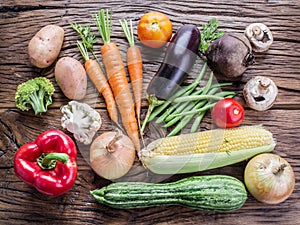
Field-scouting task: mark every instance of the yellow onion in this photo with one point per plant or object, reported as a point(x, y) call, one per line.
point(112, 155)
point(269, 178)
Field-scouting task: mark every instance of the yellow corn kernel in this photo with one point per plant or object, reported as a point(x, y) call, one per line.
point(206, 150)
point(218, 140)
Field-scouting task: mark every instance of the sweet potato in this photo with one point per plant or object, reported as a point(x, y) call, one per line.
point(45, 46)
point(71, 77)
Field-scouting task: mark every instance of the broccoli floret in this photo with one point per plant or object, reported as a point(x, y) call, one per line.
point(81, 120)
point(35, 94)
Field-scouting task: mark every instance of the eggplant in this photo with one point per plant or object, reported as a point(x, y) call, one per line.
point(180, 57)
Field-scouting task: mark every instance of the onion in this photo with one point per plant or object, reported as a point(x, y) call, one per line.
point(112, 155)
point(269, 178)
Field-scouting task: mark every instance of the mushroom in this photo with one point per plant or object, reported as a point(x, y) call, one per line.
point(260, 36)
point(260, 93)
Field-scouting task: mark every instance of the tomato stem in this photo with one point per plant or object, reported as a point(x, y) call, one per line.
point(154, 25)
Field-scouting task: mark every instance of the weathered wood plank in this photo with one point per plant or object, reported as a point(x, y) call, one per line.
point(20, 19)
point(78, 207)
point(279, 63)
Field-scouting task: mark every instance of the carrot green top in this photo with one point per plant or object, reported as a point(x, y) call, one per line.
point(128, 32)
point(87, 40)
point(83, 50)
point(103, 21)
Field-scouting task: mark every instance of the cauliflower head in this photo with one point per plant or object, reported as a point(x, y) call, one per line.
point(81, 120)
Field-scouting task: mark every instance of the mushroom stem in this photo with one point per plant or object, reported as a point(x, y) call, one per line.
point(258, 33)
point(264, 85)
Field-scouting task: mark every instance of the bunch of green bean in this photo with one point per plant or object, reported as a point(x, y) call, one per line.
point(190, 102)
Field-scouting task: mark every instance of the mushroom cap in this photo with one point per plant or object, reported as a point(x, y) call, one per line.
point(260, 36)
point(260, 93)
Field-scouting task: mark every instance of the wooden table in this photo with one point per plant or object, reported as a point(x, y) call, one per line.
point(20, 20)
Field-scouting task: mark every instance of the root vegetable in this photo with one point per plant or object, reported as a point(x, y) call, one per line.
point(71, 77)
point(117, 77)
point(230, 55)
point(112, 155)
point(45, 46)
point(269, 178)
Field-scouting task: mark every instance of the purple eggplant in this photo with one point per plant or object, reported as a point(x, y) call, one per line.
point(180, 57)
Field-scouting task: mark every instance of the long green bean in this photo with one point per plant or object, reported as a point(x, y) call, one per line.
point(181, 125)
point(197, 98)
point(207, 107)
point(172, 118)
point(175, 107)
point(182, 92)
point(208, 83)
point(186, 118)
point(179, 107)
point(199, 107)
point(199, 118)
point(197, 122)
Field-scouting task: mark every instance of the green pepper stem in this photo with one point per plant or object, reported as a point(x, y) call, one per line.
point(48, 161)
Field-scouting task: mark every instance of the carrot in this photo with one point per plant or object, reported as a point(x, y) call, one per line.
point(88, 39)
point(98, 78)
point(116, 75)
point(135, 67)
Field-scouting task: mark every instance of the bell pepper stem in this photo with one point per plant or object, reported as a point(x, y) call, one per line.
point(48, 161)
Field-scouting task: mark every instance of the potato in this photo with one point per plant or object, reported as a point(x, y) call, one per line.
point(71, 77)
point(45, 46)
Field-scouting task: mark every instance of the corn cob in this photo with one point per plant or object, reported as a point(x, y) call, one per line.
point(205, 150)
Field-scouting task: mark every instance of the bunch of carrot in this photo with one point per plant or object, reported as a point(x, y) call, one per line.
point(94, 70)
point(114, 87)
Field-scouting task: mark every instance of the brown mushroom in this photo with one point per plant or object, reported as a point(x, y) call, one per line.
point(260, 36)
point(260, 93)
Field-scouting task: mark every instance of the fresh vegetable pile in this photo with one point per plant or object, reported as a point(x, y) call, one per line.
point(49, 162)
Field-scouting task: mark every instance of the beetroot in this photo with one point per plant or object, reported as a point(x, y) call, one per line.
point(230, 55)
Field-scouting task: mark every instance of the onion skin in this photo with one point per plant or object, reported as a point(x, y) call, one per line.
point(112, 158)
point(269, 178)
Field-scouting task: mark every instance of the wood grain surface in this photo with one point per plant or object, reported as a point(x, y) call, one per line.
point(21, 19)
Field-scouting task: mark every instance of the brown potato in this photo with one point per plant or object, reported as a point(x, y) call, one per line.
point(71, 77)
point(45, 46)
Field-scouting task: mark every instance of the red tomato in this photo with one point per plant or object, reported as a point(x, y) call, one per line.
point(228, 113)
point(154, 29)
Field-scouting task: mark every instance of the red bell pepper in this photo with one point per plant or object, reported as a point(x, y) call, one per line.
point(48, 163)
